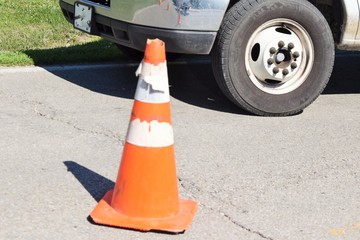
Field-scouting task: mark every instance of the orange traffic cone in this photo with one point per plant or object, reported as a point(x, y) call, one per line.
point(145, 196)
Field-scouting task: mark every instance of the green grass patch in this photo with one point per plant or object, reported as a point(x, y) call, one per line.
point(34, 32)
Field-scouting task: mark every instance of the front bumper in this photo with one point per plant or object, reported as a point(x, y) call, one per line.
point(135, 36)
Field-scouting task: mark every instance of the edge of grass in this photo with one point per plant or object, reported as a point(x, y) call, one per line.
point(35, 32)
point(91, 52)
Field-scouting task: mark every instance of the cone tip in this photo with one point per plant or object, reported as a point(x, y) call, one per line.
point(154, 51)
point(155, 41)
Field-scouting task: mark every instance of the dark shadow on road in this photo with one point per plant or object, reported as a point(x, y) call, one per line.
point(114, 80)
point(345, 78)
point(91, 52)
point(94, 183)
point(195, 84)
point(191, 81)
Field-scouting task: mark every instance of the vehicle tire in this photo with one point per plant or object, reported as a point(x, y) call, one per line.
point(273, 57)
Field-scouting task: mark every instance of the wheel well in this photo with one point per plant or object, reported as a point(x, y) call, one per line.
point(334, 18)
point(326, 7)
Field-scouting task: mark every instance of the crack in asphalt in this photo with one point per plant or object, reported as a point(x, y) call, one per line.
point(191, 187)
point(246, 228)
point(51, 114)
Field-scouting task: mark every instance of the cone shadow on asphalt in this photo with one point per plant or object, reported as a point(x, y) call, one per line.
point(94, 183)
point(97, 186)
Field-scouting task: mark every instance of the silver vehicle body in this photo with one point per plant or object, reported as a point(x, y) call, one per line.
point(167, 14)
point(129, 23)
point(350, 34)
point(188, 29)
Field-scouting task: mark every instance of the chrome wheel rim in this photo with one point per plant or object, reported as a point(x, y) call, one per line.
point(279, 56)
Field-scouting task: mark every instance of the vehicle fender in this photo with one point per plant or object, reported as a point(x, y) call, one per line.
point(350, 35)
point(198, 15)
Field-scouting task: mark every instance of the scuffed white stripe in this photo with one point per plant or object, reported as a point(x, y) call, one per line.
point(153, 85)
point(155, 75)
point(153, 134)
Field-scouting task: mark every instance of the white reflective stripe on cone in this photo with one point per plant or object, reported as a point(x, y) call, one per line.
point(153, 85)
point(153, 134)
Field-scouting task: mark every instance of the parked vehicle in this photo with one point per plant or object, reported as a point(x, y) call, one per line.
point(269, 57)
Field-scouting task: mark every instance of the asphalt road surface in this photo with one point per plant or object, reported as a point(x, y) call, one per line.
point(62, 133)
